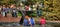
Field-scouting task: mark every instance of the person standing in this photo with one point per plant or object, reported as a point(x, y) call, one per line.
point(21, 21)
point(42, 22)
point(14, 11)
point(27, 22)
point(32, 21)
point(4, 11)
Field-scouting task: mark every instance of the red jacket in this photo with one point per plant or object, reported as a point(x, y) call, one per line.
point(42, 21)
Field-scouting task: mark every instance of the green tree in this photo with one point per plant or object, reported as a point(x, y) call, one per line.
point(8, 1)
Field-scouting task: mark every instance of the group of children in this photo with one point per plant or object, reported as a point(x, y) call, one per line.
point(4, 10)
point(13, 9)
point(29, 21)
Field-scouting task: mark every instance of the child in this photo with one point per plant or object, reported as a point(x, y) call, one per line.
point(27, 22)
point(4, 11)
point(42, 22)
point(14, 14)
point(14, 10)
point(32, 21)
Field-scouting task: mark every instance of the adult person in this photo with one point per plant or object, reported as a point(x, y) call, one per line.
point(21, 21)
point(23, 15)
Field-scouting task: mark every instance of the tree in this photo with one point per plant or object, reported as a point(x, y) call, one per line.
point(52, 12)
point(8, 1)
point(34, 1)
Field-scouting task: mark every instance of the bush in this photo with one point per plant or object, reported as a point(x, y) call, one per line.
point(33, 15)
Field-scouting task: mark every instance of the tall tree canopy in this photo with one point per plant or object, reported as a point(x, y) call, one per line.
point(8, 1)
point(52, 9)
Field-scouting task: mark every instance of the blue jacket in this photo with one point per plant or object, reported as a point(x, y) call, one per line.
point(32, 21)
point(26, 22)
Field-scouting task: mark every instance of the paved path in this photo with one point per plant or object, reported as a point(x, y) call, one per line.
point(9, 19)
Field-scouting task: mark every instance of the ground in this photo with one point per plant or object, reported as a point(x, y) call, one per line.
point(9, 18)
point(9, 21)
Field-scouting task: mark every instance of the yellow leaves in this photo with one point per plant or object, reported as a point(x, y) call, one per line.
point(44, 0)
point(47, 2)
point(55, 13)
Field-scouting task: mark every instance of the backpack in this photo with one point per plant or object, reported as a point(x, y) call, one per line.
point(32, 21)
point(26, 22)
